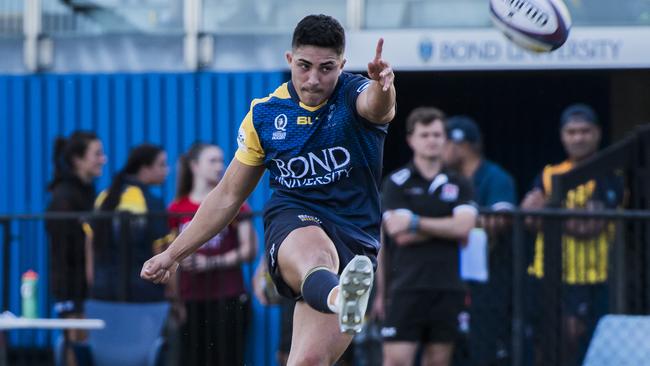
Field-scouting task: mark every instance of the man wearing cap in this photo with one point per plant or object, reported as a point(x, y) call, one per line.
point(585, 243)
point(428, 213)
point(494, 188)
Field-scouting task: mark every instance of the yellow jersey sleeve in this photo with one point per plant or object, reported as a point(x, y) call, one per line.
point(249, 149)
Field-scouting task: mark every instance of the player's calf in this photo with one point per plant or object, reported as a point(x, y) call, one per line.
point(346, 296)
point(317, 287)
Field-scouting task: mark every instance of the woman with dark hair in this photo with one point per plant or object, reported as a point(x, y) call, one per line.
point(123, 242)
point(211, 282)
point(78, 160)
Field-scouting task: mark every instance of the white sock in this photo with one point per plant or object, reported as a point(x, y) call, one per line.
point(334, 306)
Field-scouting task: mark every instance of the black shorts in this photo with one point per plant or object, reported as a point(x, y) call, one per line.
point(427, 316)
point(279, 225)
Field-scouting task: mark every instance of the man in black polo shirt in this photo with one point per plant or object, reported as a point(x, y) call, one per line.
point(428, 213)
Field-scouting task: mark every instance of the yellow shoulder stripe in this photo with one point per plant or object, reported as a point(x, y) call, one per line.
point(250, 151)
point(133, 200)
point(282, 92)
point(551, 170)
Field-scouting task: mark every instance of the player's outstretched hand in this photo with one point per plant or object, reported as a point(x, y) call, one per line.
point(380, 70)
point(159, 269)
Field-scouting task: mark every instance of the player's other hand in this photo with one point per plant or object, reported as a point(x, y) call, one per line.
point(159, 269)
point(380, 70)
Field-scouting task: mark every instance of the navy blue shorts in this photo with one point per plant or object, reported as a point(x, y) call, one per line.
point(279, 225)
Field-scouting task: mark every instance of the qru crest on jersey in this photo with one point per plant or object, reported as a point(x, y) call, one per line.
point(280, 127)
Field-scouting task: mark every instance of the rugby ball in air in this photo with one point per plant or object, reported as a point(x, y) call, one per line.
point(537, 25)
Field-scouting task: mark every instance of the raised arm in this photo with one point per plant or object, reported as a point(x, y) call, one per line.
point(216, 211)
point(377, 102)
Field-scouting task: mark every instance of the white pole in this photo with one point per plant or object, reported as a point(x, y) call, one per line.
point(31, 29)
point(192, 13)
point(355, 14)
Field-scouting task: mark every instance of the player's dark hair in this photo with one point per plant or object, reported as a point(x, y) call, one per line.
point(185, 178)
point(424, 116)
point(321, 31)
point(65, 150)
point(141, 156)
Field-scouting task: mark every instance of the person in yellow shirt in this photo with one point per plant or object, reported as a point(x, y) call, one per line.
point(585, 243)
point(141, 235)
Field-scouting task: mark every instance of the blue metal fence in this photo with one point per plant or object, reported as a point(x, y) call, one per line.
point(172, 110)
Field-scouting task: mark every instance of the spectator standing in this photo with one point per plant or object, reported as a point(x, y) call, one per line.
point(427, 214)
point(78, 161)
point(141, 235)
point(585, 243)
point(211, 282)
point(494, 188)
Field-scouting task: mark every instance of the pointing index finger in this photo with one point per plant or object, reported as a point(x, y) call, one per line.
point(380, 46)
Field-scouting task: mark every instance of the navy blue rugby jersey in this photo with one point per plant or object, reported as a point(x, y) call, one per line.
point(325, 159)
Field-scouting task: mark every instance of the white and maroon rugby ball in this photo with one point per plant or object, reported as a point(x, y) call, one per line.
point(537, 25)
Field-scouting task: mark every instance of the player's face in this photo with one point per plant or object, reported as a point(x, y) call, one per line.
point(428, 141)
point(580, 139)
point(92, 163)
point(157, 172)
point(209, 166)
point(314, 72)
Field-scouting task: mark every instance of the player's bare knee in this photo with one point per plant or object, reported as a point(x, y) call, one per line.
point(322, 258)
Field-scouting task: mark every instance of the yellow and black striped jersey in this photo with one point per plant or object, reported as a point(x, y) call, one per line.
point(584, 260)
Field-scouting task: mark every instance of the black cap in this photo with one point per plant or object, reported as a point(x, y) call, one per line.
point(463, 129)
point(580, 112)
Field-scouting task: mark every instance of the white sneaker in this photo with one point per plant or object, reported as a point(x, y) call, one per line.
point(354, 289)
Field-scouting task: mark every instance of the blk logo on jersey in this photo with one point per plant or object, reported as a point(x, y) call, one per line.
point(302, 120)
point(316, 168)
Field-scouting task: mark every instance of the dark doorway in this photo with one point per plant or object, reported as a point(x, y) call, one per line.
point(518, 112)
